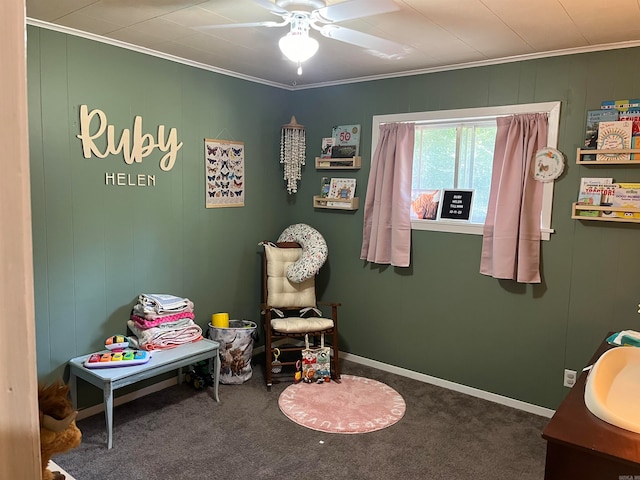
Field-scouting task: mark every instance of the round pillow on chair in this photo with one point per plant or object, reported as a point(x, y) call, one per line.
point(314, 251)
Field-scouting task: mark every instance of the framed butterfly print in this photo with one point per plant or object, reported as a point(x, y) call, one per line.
point(224, 173)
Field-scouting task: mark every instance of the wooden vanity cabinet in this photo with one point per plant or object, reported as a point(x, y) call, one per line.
point(580, 446)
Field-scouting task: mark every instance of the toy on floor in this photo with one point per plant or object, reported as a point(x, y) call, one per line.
point(199, 375)
point(276, 366)
point(308, 376)
point(58, 431)
point(298, 375)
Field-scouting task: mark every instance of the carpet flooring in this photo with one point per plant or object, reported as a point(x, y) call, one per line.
point(180, 433)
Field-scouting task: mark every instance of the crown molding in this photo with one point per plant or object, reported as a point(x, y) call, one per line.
point(422, 71)
point(148, 51)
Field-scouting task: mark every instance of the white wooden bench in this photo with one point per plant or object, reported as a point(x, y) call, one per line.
point(162, 361)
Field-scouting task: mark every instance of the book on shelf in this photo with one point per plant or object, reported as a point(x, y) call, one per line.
point(341, 163)
point(344, 151)
point(589, 199)
point(342, 188)
point(327, 144)
point(625, 105)
point(594, 191)
point(634, 118)
point(325, 183)
point(597, 185)
point(594, 117)
point(624, 195)
point(614, 135)
point(346, 141)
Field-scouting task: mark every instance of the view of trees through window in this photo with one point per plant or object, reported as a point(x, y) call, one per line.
point(455, 155)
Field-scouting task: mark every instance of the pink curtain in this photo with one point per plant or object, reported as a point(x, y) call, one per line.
point(386, 235)
point(511, 237)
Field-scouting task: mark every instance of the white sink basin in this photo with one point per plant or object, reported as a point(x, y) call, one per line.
point(612, 392)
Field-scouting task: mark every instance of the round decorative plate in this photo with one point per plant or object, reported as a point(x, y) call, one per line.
point(548, 165)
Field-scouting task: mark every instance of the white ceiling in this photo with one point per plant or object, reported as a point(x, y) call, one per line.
point(442, 34)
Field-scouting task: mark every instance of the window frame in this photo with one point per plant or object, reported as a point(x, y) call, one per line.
point(475, 114)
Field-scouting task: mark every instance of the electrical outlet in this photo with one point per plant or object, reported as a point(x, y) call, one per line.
point(569, 378)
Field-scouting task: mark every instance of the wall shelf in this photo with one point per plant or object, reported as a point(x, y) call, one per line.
point(632, 213)
point(345, 203)
point(575, 213)
point(353, 163)
point(583, 151)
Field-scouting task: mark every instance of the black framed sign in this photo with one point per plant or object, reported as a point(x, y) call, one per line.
point(456, 205)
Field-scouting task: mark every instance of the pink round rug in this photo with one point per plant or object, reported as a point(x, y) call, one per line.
point(356, 405)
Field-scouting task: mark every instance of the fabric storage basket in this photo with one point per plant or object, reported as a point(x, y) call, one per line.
point(236, 349)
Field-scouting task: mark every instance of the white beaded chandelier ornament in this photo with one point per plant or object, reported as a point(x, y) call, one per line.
point(292, 153)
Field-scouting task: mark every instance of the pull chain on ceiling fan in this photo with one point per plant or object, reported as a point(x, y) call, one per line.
point(305, 15)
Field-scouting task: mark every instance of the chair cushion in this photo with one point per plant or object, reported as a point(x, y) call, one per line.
point(301, 325)
point(280, 290)
point(314, 251)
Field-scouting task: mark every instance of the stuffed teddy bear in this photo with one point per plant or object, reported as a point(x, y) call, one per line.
point(58, 431)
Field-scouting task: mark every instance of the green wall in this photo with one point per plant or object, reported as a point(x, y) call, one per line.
point(440, 316)
point(96, 247)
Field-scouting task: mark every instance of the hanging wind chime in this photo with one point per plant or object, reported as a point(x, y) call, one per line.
point(292, 153)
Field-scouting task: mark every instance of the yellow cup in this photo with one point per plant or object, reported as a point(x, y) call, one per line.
point(220, 320)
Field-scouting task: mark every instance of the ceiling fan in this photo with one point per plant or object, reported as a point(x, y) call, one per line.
point(304, 15)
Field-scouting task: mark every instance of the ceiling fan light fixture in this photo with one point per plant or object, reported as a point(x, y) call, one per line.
point(298, 48)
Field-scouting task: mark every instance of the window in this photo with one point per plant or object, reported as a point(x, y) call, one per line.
point(454, 150)
point(455, 155)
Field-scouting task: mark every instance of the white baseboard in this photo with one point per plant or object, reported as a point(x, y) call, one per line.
point(94, 410)
point(474, 392)
point(99, 408)
point(421, 377)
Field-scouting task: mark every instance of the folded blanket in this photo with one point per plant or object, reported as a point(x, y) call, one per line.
point(162, 320)
point(161, 339)
point(150, 313)
point(160, 303)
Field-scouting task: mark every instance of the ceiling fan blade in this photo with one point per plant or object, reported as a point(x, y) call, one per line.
point(353, 9)
point(272, 7)
point(375, 45)
point(241, 25)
